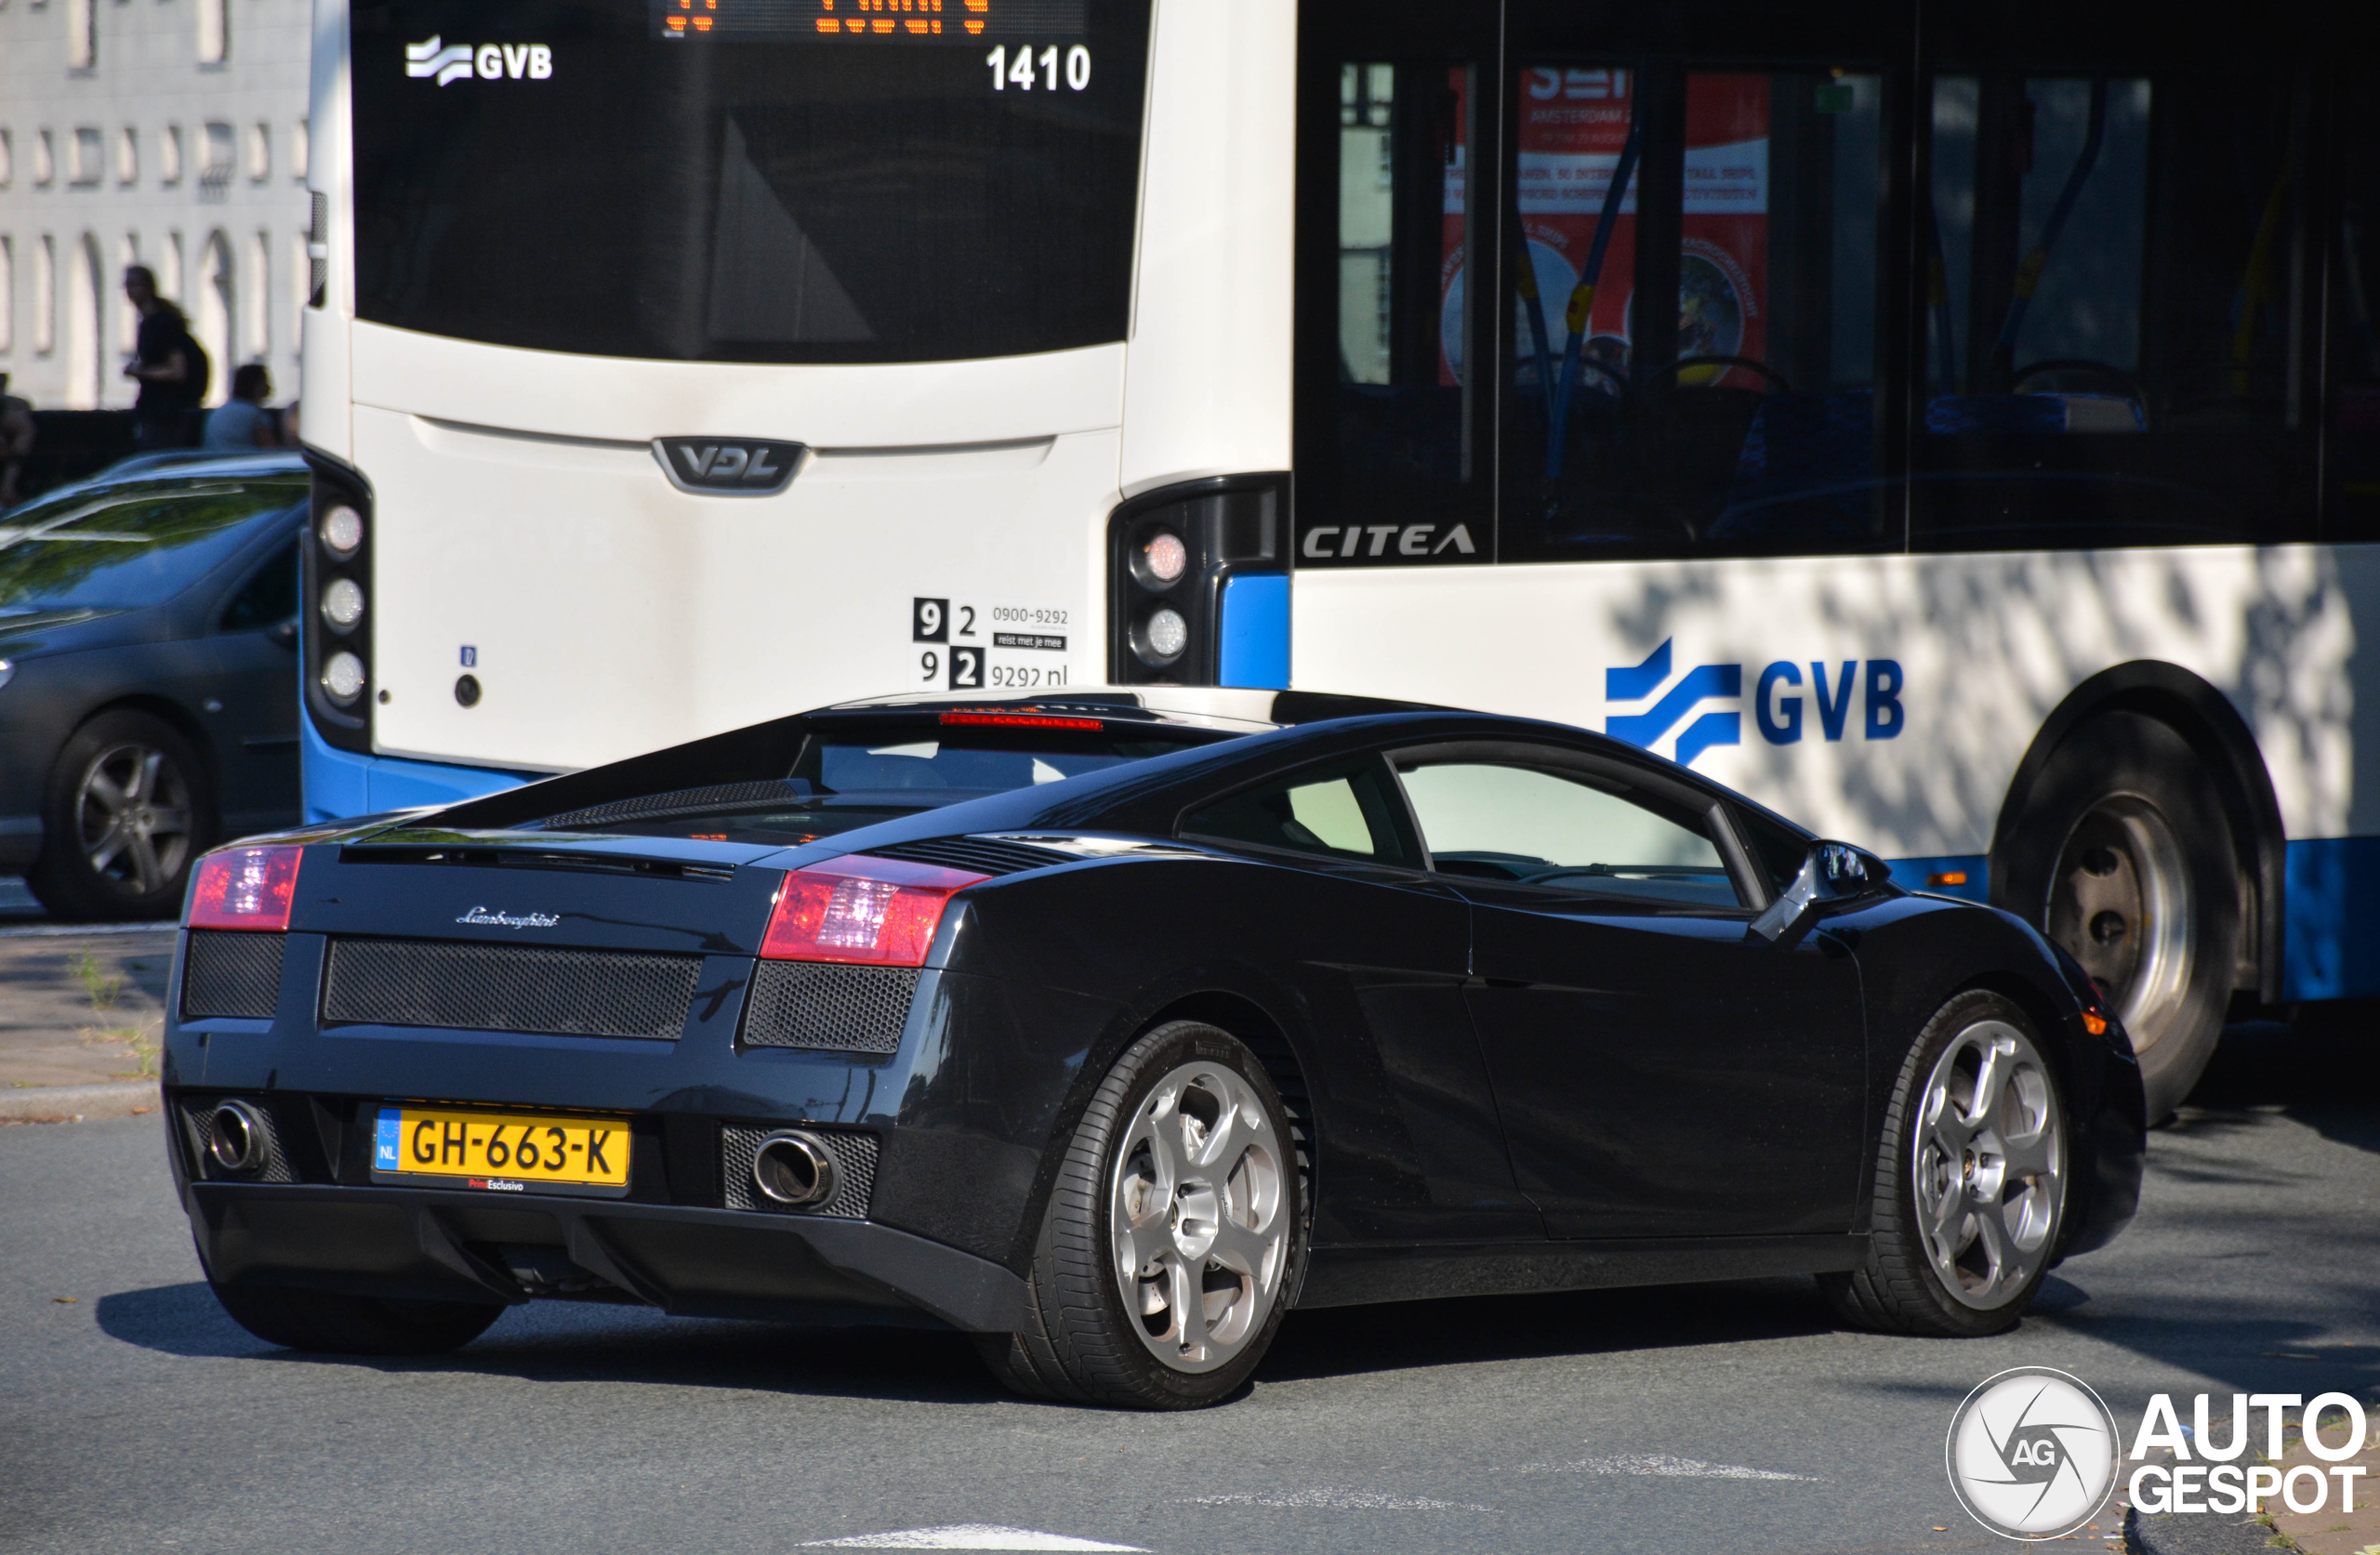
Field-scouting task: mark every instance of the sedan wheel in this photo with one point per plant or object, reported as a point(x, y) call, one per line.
point(132, 818)
point(1173, 1236)
point(1971, 1179)
point(128, 810)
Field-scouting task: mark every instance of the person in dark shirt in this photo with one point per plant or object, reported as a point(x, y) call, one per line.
point(171, 367)
point(16, 442)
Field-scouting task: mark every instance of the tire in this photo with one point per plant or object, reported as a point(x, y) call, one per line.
point(1960, 1231)
point(1111, 1268)
point(128, 809)
point(341, 1324)
point(2123, 855)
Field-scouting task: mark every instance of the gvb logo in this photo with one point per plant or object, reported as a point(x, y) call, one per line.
point(1780, 696)
point(442, 62)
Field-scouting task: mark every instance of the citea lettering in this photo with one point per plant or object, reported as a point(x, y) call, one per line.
point(509, 921)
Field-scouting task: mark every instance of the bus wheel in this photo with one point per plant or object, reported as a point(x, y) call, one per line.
point(2124, 857)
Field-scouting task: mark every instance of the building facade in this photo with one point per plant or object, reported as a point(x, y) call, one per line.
point(169, 133)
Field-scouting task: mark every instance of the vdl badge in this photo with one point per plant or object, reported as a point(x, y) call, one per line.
point(729, 467)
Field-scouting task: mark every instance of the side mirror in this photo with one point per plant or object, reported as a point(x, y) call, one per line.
point(1833, 872)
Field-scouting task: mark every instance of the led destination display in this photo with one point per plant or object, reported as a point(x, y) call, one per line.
point(852, 21)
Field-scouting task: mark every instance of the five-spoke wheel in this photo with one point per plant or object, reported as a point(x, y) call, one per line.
point(1970, 1188)
point(127, 812)
point(1172, 1237)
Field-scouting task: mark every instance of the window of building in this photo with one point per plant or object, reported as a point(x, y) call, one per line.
point(81, 34)
point(300, 150)
point(127, 156)
point(259, 309)
point(214, 41)
point(215, 172)
point(7, 158)
point(89, 158)
point(86, 352)
point(259, 152)
point(127, 318)
point(169, 156)
point(214, 311)
point(46, 295)
point(169, 269)
point(45, 161)
point(7, 295)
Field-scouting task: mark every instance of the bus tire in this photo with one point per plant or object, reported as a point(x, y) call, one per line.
point(2124, 856)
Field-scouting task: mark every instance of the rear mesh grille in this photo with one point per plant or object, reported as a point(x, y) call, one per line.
point(233, 974)
point(854, 1172)
point(983, 856)
point(508, 988)
point(807, 1004)
point(679, 801)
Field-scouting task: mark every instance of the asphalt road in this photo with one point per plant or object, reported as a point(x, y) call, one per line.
point(134, 1416)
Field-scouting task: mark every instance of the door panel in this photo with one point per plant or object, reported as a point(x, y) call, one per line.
point(1658, 1071)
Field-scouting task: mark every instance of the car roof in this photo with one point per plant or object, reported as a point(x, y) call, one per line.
point(1231, 709)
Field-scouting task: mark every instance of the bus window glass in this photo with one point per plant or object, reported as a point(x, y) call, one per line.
point(1744, 421)
point(2110, 272)
point(2352, 511)
point(670, 179)
point(1403, 404)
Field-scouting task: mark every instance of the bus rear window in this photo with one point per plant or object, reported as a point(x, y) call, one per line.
point(581, 176)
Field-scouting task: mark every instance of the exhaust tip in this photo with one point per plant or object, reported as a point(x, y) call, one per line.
point(238, 1137)
point(794, 1169)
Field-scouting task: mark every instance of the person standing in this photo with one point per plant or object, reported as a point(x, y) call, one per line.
point(242, 424)
point(16, 442)
point(171, 367)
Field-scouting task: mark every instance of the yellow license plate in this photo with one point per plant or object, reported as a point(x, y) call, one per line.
point(502, 1150)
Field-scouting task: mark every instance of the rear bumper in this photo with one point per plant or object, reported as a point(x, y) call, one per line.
point(413, 1243)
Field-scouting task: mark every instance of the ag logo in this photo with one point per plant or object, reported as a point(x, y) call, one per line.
point(715, 467)
point(2032, 1453)
point(442, 62)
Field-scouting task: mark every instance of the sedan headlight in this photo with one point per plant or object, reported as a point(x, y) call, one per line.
point(7, 672)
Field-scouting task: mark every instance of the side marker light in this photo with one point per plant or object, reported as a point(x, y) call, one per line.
point(1947, 877)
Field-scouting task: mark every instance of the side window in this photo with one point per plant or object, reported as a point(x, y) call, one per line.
point(1391, 472)
point(1742, 416)
point(2118, 287)
point(268, 598)
point(1342, 813)
point(1495, 822)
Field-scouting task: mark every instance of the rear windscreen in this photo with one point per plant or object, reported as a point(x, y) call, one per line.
point(750, 180)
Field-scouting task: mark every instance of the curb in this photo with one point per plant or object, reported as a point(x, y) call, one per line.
point(78, 1103)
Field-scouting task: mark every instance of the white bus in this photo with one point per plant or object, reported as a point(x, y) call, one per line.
point(1998, 495)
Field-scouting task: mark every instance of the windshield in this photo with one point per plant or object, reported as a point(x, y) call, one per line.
point(121, 549)
point(746, 180)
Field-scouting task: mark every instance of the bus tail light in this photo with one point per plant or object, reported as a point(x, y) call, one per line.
point(1198, 585)
point(870, 912)
point(338, 552)
point(246, 888)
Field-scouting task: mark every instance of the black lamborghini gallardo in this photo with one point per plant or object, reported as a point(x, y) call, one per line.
point(1108, 1028)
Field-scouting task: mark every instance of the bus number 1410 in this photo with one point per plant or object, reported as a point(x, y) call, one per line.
point(1020, 70)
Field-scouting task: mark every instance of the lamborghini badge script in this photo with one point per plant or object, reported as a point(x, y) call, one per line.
point(509, 920)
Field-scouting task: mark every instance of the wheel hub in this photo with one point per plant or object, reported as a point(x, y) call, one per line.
point(2121, 903)
point(1987, 1165)
point(1200, 1217)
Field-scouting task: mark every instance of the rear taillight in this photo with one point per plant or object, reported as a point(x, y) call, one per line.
point(876, 912)
point(246, 888)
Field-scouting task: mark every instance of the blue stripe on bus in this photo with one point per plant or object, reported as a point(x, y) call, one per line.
point(1915, 874)
point(2333, 921)
point(340, 784)
point(1255, 631)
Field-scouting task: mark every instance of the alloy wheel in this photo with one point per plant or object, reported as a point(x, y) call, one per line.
point(1200, 1216)
point(1989, 1165)
point(133, 820)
